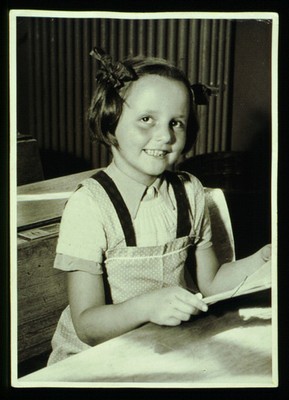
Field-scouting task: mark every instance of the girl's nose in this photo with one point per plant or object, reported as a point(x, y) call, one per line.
point(165, 134)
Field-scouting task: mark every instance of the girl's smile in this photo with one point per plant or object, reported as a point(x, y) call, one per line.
point(156, 153)
point(151, 131)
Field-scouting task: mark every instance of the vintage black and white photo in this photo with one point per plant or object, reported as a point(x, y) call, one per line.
point(144, 244)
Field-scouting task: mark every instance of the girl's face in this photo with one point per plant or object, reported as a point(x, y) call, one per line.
point(151, 131)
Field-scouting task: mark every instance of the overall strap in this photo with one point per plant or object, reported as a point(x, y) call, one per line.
point(120, 207)
point(183, 206)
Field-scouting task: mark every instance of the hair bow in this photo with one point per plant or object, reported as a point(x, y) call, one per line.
point(112, 73)
point(203, 92)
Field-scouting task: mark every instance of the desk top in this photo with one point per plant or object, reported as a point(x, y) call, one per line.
point(33, 212)
point(229, 346)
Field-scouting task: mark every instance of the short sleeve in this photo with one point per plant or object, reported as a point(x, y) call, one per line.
point(82, 242)
point(205, 233)
point(200, 213)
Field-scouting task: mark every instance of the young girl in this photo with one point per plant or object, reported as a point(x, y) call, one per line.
point(126, 232)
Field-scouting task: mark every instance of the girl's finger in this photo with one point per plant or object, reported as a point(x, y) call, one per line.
point(195, 311)
point(172, 321)
point(193, 300)
point(183, 307)
point(190, 309)
point(183, 316)
point(266, 252)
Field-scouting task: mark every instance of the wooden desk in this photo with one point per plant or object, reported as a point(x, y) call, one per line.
point(41, 290)
point(229, 346)
point(40, 212)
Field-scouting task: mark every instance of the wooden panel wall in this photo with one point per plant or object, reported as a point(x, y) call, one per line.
point(61, 74)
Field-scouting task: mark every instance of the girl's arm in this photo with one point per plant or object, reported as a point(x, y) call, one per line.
point(95, 321)
point(212, 278)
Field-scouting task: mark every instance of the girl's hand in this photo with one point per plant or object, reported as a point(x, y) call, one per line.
point(265, 253)
point(172, 305)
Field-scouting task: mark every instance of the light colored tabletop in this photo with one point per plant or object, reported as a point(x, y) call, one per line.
point(229, 346)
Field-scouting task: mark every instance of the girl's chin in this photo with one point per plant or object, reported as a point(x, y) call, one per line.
point(155, 161)
point(158, 169)
point(155, 172)
point(147, 176)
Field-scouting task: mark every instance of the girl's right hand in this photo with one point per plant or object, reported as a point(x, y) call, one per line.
point(170, 306)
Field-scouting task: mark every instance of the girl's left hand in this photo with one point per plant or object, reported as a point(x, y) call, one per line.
point(265, 252)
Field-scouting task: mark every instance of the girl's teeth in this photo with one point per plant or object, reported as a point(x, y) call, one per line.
point(156, 153)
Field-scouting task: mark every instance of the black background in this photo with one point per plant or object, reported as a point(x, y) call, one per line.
point(279, 6)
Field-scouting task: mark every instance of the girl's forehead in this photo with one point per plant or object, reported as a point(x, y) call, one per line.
point(150, 87)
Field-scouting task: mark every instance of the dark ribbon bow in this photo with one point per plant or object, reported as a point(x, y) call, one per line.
point(115, 74)
point(203, 92)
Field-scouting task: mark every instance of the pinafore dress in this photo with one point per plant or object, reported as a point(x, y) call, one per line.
point(131, 271)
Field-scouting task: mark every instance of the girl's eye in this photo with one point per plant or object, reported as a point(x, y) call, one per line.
point(148, 120)
point(177, 124)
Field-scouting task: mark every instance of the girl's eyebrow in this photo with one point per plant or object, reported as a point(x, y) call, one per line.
point(181, 116)
point(148, 111)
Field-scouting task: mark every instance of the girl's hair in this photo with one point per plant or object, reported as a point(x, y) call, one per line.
point(107, 102)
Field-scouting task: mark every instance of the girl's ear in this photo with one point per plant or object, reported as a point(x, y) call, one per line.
point(112, 140)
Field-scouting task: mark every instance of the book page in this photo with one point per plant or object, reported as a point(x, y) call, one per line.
point(259, 280)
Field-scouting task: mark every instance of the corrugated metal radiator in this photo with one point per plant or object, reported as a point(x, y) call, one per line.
point(61, 74)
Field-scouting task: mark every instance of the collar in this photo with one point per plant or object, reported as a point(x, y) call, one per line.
point(133, 191)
